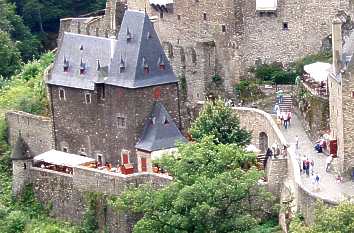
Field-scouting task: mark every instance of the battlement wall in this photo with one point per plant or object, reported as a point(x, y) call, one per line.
point(35, 130)
point(94, 180)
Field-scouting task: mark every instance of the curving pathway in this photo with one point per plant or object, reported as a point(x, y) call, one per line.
point(328, 188)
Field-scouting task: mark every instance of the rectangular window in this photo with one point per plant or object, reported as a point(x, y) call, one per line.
point(223, 28)
point(178, 17)
point(121, 122)
point(204, 16)
point(87, 98)
point(125, 157)
point(82, 152)
point(285, 26)
point(161, 14)
point(65, 149)
point(99, 159)
point(143, 165)
point(101, 92)
point(61, 94)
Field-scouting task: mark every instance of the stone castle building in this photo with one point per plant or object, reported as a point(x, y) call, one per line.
point(113, 98)
point(223, 38)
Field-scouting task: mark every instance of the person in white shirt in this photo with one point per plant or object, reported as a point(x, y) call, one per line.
point(328, 162)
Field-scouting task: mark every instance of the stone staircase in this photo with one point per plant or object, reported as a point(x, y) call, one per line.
point(287, 104)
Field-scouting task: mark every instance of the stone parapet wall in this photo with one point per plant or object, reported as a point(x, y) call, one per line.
point(277, 171)
point(35, 130)
point(93, 180)
point(65, 194)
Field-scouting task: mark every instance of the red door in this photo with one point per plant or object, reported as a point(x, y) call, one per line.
point(143, 165)
point(125, 158)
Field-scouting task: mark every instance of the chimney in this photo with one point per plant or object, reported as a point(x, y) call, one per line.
point(337, 44)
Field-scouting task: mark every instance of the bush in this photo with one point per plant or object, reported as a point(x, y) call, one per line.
point(248, 90)
point(274, 73)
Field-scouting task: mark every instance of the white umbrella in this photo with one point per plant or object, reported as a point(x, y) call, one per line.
point(252, 148)
point(319, 71)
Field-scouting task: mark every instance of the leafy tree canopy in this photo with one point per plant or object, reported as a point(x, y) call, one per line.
point(10, 59)
point(337, 219)
point(220, 121)
point(211, 192)
point(28, 45)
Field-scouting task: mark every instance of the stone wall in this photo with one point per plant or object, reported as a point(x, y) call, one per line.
point(277, 171)
point(92, 128)
point(314, 111)
point(66, 194)
point(35, 130)
point(259, 122)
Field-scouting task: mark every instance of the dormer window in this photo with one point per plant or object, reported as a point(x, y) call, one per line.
point(146, 67)
point(98, 65)
point(129, 35)
point(82, 67)
point(161, 63)
point(165, 121)
point(148, 35)
point(66, 65)
point(81, 48)
point(121, 65)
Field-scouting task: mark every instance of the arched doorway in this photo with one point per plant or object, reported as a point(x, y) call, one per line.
point(263, 142)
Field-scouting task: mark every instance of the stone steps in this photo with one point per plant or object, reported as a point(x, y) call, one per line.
point(287, 104)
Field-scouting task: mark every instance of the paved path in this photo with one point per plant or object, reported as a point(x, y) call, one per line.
point(329, 188)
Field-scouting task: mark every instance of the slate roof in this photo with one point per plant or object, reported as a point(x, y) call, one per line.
point(137, 46)
point(77, 50)
point(160, 132)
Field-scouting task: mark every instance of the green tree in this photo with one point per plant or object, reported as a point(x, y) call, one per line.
point(28, 44)
point(10, 59)
point(212, 191)
point(337, 219)
point(220, 121)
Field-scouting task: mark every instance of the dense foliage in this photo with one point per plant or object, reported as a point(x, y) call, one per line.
point(220, 121)
point(215, 189)
point(328, 220)
point(274, 73)
point(43, 16)
point(248, 91)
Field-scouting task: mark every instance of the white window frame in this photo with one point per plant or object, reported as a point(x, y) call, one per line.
point(64, 94)
point(119, 125)
point(88, 94)
point(124, 151)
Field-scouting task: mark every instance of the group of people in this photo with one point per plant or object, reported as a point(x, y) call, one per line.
point(283, 118)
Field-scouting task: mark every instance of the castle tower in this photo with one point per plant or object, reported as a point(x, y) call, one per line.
point(341, 96)
point(103, 89)
point(21, 163)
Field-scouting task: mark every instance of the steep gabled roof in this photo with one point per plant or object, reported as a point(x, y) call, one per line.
point(160, 132)
point(122, 61)
point(138, 47)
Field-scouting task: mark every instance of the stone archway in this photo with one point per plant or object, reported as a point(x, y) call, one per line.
point(263, 142)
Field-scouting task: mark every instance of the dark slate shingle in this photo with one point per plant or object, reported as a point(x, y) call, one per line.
point(160, 132)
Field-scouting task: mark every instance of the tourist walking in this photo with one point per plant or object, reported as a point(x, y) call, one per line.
point(297, 142)
point(285, 119)
point(307, 166)
point(317, 182)
point(328, 162)
point(289, 118)
point(312, 165)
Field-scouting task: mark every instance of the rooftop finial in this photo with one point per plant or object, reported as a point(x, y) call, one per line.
point(98, 65)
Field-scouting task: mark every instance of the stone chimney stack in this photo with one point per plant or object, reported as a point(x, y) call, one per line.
point(337, 44)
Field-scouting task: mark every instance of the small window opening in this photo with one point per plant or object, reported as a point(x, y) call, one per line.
point(82, 67)
point(24, 166)
point(65, 149)
point(88, 98)
point(101, 91)
point(165, 121)
point(121, 65)
point(82, 152)
point(61, 94)
point(146, 67)
point(99, 159)
point(121, 122)
point(178, 17)
point(223, 28)
point(285, 26)
point(98, 65)
point(161, 14)
point(204, 16)
point(66, 65)
point(81, 47)
point(161, 63)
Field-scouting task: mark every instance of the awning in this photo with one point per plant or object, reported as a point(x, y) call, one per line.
point(319, 71)
point(266, 5)
point(62, 159)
